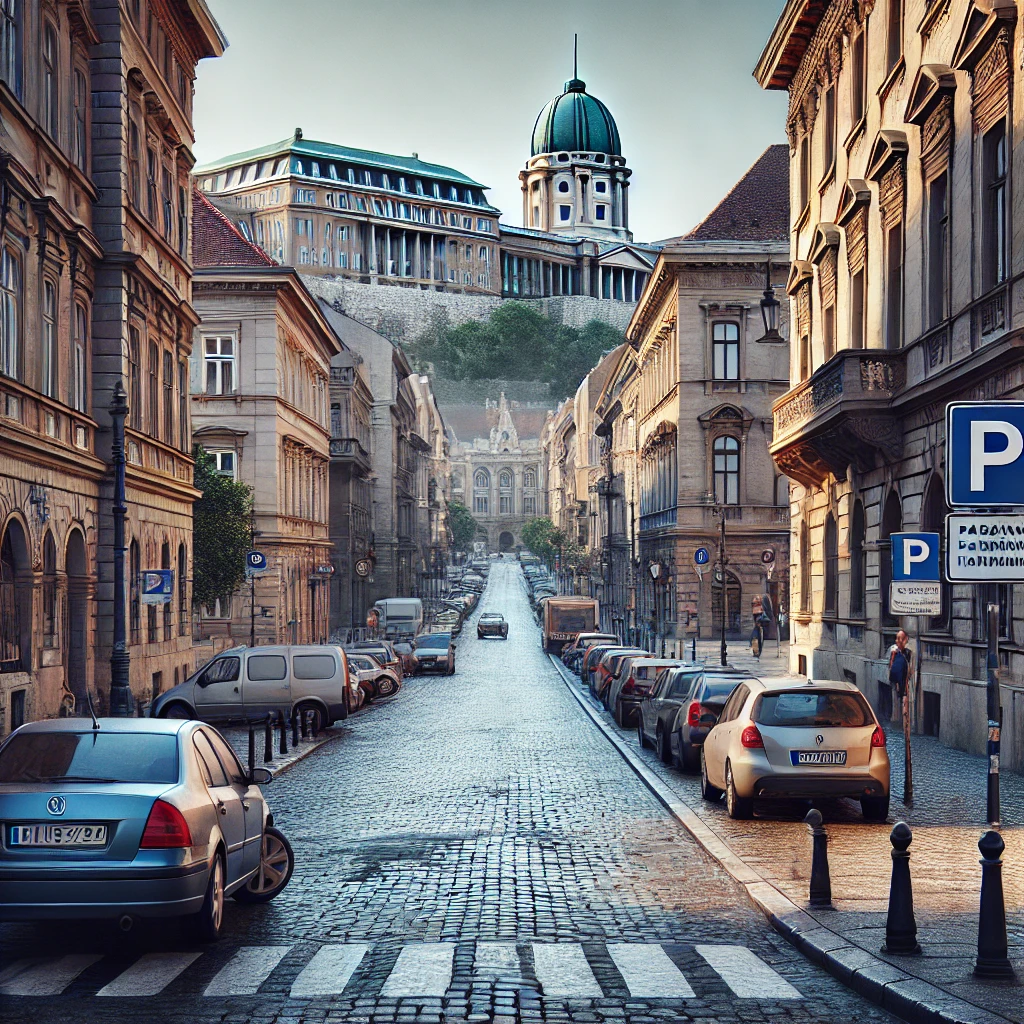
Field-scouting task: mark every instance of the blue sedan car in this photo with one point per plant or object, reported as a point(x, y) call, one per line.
point(132, 818)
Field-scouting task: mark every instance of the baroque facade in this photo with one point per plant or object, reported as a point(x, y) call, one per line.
point(261, 407)
point(96, 101)
point(906, 293)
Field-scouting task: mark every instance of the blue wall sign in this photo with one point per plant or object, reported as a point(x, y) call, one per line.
point(156, 585)
point(985, 454)
point(255, 561)
point(701, 556)
point(915, 556)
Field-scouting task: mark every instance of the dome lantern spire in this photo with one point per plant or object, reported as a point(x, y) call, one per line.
point(575, 84)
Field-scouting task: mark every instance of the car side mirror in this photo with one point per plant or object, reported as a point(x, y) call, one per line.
point(260, 777)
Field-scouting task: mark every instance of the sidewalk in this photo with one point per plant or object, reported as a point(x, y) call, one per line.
point(948, 818)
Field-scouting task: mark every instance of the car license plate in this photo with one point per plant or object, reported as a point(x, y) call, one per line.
point(818, 757)
point(80, 834)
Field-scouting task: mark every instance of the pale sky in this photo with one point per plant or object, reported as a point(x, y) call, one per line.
point(461, 83)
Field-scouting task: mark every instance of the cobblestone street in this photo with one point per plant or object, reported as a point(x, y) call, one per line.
point(473, 849)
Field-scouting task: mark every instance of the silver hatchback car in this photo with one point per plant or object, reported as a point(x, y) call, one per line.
point(133, 818)
point(791, 738)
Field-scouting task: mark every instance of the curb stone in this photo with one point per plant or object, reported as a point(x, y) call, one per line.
point(872, 977)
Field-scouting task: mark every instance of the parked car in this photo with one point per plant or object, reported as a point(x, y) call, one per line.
point(449, 620)
point(658, 711)
point(700, 709)
point(384, 651)
point(374, 679)
point(399, 616)
point(609, 665)
point(635, 680)
point(132, 818)
point(785, 738)
point(491, 624)
point(590, 660)
point(434, 652)
point(403, 648)
point(244, 683)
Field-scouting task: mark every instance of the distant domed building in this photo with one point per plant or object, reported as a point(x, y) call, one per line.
point(576, 180)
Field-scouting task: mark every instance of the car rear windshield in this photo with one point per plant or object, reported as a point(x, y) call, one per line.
point(434, 640)
point(818, 709)
point(718, 687)
point(88, 756)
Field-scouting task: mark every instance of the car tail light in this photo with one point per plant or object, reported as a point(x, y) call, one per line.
point(750, 737)
point(629, 686)
point(166, 829)
point(693, 715)
point(878, 737)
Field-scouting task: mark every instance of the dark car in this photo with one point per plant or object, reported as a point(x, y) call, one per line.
point(702, 708)
point(592, 657)
point(636, 679)
point(404, 651)
point(609, 667)
point(434, 652)
point(491, 624)
point(656, 717)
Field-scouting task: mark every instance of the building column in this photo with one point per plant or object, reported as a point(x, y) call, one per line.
point(373, 249)
point(430, 276)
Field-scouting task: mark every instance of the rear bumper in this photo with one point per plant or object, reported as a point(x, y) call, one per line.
point(802, 786)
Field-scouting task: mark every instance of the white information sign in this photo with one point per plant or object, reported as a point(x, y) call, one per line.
point(915, 598)
point(984, 548)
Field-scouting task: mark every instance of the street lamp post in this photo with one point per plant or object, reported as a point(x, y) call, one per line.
point(723, 561)
point(120, 689)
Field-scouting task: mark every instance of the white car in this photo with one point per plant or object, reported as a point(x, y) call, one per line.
point(374, 679)
point(793, 738)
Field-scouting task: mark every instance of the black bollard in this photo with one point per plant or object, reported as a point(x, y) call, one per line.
point(693, 650)
point(284, 733)
point(252, 747)
point(268, 742)
point(305, 724)
point(295, 728)
point(821, 884)
point(900, 926)
point(992, 961)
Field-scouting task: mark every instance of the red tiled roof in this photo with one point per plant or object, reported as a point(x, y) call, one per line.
point(756, 208)
point(216, 242)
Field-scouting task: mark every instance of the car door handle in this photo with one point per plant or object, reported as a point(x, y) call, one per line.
point(245, 805)
point(223, 809)
point(236, 689)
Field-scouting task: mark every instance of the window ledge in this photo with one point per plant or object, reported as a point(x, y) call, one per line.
point(855, 133)
point(891, 79)
point(827, 178)
point(805, 215)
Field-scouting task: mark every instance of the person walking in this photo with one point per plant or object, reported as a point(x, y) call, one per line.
point(899, 673)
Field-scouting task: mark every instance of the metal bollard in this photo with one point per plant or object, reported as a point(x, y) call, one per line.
point(693, 649)
point(900, 926)
point(268, 742)
point(252, 746)
point(283, 747)
point(309, 720)
point(295, 728)
point(305, 724)
point(992, 961)
point(821, 883)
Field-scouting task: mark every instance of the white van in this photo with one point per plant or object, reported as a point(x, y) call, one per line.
point(247, 683)
point(399, 616)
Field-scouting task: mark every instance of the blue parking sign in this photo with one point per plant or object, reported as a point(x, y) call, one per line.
point(985, 454)
point(701, 556)
point(915, 556)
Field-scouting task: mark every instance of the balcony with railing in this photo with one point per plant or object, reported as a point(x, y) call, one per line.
point(841, 416)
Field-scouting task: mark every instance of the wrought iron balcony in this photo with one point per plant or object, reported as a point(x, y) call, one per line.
point(841, 416)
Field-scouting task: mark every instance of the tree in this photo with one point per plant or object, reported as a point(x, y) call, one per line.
point(463, 525)
point(221, 531)
point(541, 538)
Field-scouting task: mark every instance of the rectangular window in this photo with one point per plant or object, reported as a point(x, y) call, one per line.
point(725, 351)
point(480, 504)
point(858, 81)
point(183, 437)
point(938, 245)
point(134, 165)
point(134, 380)
point(894, 286)
point(857, 299)
point(894, 36)
point(828, 142)
point(10, 315)
point(80, 96)
point(505, 504)
point(51, 108)
point(182, 221)
point(219, 355)
point(994, 200)
point(529, 505)
point(168, 207)
point(153, 396)
point(828, 329)
point(48, 376)
point(168, 436)
point(305, 195)
point(151, 184)
point(80, 360)
point(601, 211)
point(564, 212)
point(10, 44)
point(805, 172)
point(225, 462)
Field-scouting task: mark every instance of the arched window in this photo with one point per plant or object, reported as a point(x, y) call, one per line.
point(49, 591)
point(14, 608)
point(857, 566)
point(505, 497)
point(165, 563)
point(805, 568)
point(530, 477)
point(727, 470)
point(831, 566)
point(135, 600)
point(933, 518)
point(505, 479)
point(563, 186)
point(482, 479)
point(892, 522)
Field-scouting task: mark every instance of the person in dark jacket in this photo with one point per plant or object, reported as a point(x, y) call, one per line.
point(899, 672)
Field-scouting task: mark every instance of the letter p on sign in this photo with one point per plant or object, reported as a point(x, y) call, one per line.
point(914, 550)
point(915, 556)
point(985, 454)
point(982, 459)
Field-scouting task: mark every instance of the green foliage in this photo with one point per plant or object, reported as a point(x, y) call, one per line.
point(541, 538)
point(516, 343)
point(463, 525)
point(222, 531)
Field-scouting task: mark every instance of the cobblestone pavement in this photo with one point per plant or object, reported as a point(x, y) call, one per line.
point(947, 818)
point(473, 850)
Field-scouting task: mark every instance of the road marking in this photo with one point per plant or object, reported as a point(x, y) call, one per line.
point(496, 958)
point(329, 971)
point(149, 974)
point(747, 974)
point(44, 977)
point(562, 970)
point(648, 971)
point(423, 969)
point(243, 974)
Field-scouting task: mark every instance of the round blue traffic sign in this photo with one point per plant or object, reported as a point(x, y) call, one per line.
point(701, 556)
point(255, 561)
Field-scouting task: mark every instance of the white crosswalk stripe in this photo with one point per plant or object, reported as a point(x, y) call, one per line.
point(243, 974)
point(746, 974)
point(497, 958)
point(329, 971)
point(149, 974)
point(44, 977)
point(562, 970)
point(423, 969)
point(648, 971)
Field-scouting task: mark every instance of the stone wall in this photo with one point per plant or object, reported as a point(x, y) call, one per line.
point(402, 314)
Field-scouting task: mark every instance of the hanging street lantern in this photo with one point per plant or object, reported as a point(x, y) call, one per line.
point(770, 307)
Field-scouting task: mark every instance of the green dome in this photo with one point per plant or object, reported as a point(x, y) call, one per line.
point(576, 122)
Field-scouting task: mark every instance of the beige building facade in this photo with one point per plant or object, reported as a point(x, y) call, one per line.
point(906, 294)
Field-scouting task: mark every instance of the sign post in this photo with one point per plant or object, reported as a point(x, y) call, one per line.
point(984, 449)
point(701, 559)
point(255, 563)
point(768, 561)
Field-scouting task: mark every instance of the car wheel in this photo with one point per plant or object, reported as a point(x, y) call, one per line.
point(664, 746)
point(739, 807)
point(317, 721)
point(874, 808)
point(208, 922)
point(687, 759)
point(177, 710)
point(276, 865)
point(385, 686)
point(710, 793)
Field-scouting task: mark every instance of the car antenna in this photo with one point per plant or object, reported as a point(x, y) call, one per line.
point(95, 720)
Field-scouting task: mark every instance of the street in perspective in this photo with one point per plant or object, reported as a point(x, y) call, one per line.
point(422, 600)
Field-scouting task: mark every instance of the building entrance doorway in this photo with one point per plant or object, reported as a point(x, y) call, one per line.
point(506, 541)
point(76, 620)
point(734, 594)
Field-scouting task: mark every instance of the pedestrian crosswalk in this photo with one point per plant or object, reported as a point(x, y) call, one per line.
point(560, 970)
